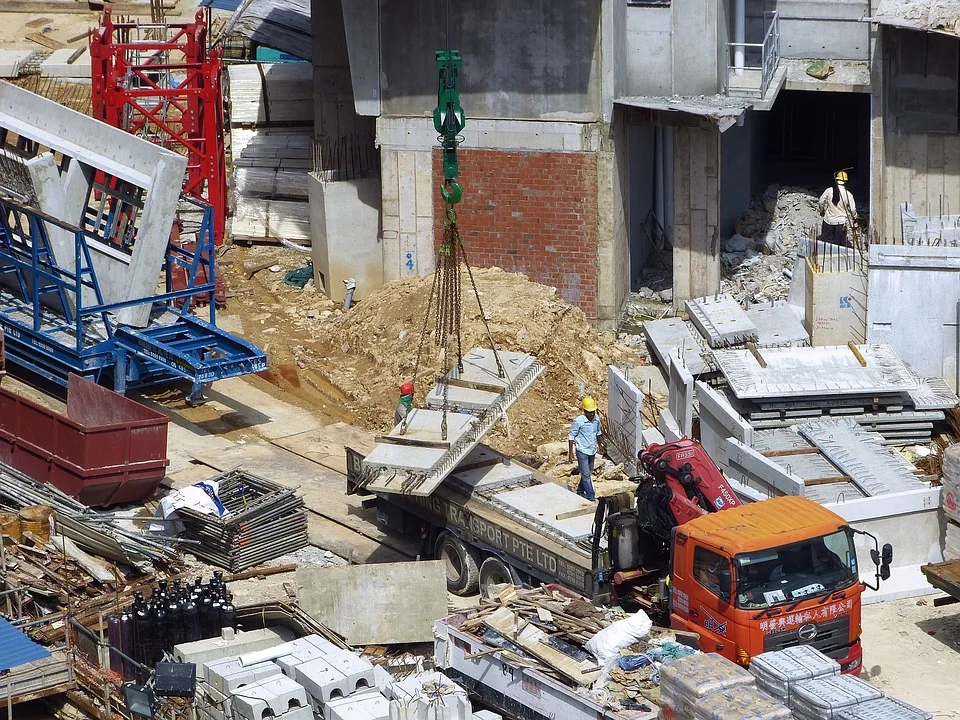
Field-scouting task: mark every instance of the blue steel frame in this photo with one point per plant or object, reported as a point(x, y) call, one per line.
point(56, 321)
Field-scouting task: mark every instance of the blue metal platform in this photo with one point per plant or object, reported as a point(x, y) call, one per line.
point(56, 322)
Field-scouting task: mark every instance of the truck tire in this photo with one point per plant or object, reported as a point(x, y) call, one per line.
point(461, 562)
point(495, 571)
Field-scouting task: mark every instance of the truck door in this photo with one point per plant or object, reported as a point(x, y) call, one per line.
point(710, 586)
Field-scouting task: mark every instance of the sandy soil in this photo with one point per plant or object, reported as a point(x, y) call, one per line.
point(912, 652)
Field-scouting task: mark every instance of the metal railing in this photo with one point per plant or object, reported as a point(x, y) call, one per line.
point(769, 51)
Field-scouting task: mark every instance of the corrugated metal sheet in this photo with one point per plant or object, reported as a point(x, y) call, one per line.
point(17, 649)
point(757, 525)
point(280, 24)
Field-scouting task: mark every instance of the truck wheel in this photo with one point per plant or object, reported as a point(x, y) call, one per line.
point(461, 563)
point(495, 571)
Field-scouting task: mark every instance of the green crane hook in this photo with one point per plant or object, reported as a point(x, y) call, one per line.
point(449, 122)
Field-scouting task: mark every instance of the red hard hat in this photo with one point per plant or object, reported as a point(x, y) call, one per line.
point(406, 389)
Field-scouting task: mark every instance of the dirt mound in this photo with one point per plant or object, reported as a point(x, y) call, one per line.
point(371, 350)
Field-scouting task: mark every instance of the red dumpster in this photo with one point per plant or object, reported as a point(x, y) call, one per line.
point(106, 450)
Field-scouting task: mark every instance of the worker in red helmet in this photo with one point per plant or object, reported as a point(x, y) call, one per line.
point(405, 405)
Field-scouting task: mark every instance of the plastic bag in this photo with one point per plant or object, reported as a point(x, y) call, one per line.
point(606, 644)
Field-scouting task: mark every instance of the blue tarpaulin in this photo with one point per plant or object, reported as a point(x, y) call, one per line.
point(17, 649)
point(230, 5)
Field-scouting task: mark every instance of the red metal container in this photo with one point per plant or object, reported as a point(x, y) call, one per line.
point(106, 450)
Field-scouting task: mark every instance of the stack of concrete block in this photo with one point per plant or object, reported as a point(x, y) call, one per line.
point(429, 696)
point(367, 705)
point(12, 62)
point(229, 675)
point(66, 63)
point(326, 671)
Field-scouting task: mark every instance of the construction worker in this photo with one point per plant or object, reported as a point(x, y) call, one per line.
point(838, 210)
point(584, 440)
point(405, 405)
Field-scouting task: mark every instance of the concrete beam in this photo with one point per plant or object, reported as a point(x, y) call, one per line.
point(719, 421)
point(744, 459)
point(361, 23)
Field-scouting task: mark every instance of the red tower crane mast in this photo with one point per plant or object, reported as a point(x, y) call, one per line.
point(162, 82)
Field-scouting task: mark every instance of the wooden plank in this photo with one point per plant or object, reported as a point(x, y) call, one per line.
point(413, 442)
point(826, 480)
point(579, 512)
point(533, 640)
point(792, 451)
point(47, 42)
point(38, 22)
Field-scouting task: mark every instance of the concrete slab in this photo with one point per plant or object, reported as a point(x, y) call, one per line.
point(836, 303)
point(671, 335)
point(933, 394)
point(721, 320)
point(273, 696)
point(719, 421)
point(376, 604)
point(624, 420)
point(244, 406)
point(668, 426)
point(480, 380)
point(361, 706)
point(681, 395)
point(544, 504)
point(777, 325)
point(204, 651)
point(799, 372)
point(59, 64)
point(424, 427)
point(486, 469)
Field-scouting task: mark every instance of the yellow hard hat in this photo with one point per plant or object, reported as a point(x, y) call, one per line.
point(840, 176)
point(589, 404)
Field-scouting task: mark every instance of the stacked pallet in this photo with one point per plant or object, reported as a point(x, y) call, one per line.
point(263, 521)
point(950, 501)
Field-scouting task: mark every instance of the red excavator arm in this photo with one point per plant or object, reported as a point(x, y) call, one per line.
point(694, 483)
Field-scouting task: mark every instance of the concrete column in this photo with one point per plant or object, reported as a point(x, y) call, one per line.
point(613, 242)
point(696, 231)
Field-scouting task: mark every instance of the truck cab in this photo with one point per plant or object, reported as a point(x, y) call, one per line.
point(766, 576)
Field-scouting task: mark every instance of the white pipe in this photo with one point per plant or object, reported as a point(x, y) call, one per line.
point(739, 34)
point(259, 656)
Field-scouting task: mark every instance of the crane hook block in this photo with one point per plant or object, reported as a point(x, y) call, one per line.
point(449, 121)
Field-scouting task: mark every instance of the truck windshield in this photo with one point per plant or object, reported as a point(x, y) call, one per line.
point(790, 573)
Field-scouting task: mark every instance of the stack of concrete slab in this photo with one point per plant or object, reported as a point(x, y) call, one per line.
point(720, 322)
point(780, 387)
point(419, 453)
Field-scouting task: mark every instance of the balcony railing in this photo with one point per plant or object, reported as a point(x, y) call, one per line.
point(760, 61)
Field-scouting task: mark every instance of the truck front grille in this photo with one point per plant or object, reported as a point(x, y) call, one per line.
point(832, 639)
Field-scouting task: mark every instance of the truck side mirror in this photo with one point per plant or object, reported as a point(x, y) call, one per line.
point(725, 586)
point(886, 557)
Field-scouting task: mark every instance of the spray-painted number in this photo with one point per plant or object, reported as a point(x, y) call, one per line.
point(409, 262)
point(845, 302)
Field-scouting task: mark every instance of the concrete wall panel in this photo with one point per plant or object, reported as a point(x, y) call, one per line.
point(624, 420)
point(649, 51)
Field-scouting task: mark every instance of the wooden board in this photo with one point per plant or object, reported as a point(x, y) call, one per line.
point(323, 491)
point(944, 576)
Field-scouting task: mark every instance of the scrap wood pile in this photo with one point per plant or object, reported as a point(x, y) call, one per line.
point(602, 652)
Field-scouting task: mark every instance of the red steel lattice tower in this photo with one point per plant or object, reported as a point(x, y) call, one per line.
point(162, 82)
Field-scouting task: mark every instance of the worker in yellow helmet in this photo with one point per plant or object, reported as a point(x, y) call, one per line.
point(584, 440)
point(838, 210)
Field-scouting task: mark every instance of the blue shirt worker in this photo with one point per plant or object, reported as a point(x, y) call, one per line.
point(583, 442)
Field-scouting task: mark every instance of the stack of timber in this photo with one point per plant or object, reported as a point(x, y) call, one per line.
point(264, 521)
point(271, 118)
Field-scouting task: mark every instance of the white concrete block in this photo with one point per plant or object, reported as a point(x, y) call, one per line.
point(360, 706)
point(228, 675)
point(274, 696)
point(335, 676)
point(486, 715)
point(303, 713)
point(205, 651)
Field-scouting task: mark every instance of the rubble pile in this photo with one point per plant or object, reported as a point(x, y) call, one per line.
point(371, 350)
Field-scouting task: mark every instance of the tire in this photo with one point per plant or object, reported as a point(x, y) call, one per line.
point(461, 562)
point(495, 571)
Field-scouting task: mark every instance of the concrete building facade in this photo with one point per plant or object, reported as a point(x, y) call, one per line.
point(601, 134)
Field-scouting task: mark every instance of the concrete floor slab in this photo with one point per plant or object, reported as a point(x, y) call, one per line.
point(62, 64)
point(667, 337)
point(777, 325)
point(547, 505)
point(486, 476)
point(11, 61)
point(480, 380)
point(423, 426)
point(799, 372)
point(721, 320)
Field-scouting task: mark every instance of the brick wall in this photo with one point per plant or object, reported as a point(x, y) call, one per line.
point(530, 212)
